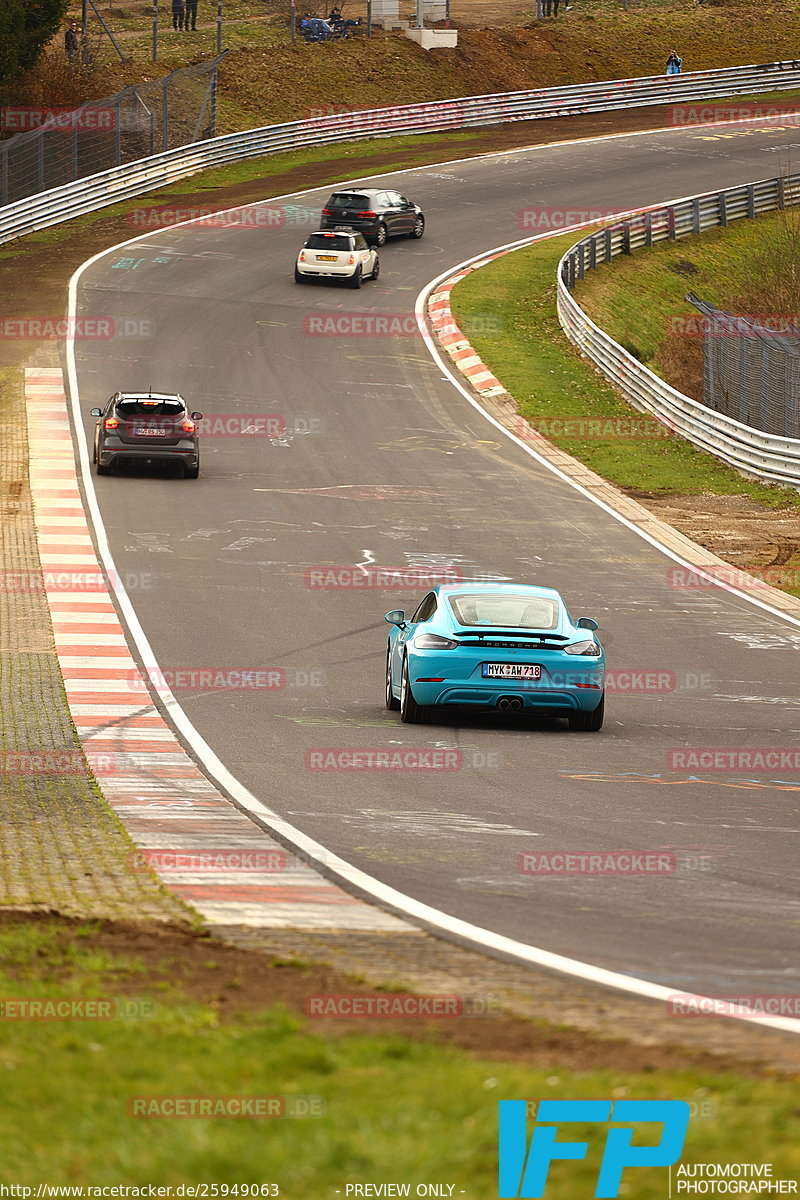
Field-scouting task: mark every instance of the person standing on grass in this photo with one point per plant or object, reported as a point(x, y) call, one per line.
point(71, 42)
point(191, 14)
point(674, 64)
point(177, 14)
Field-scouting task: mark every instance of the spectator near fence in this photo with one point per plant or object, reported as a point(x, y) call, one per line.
point(71, 42)
point(178, 11)
point(191, 14)
point(674, 64)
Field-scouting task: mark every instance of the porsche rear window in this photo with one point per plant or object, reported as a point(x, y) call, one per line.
point(146, 408)
point(348, 200)
point(506, 610)
point(321, 241)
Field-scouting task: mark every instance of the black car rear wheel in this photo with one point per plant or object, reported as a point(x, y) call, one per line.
point(588, 722)
point(418, 229)
point(411, 713)
point(380, 235)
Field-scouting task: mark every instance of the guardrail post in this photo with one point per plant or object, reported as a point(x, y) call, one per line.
point(781, 194)
point(4, 174)
point(671, 224)
point(696, 226)
point(607, 245)
point(593, 252)
point(571, 271)
point(751, 200)
point(722, 206)
point(581, 267)
point(648, 229)
point(626, 238)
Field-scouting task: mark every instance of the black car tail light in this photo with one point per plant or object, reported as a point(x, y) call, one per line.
point(367, 213)
point(327, 212)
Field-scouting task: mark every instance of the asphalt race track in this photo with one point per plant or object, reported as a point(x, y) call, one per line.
point(383, 461)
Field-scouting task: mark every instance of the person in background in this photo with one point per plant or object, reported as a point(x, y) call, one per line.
point(71, 42)
point(191, 14)
point(674, 64)
point(178, 12)
point(335, 18)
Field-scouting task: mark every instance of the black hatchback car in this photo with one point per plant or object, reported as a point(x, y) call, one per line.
point(378, 213)
point(151, 426)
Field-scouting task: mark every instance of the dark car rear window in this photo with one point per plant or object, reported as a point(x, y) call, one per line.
point(322, 241)
point(349, 200)
point(128, 409)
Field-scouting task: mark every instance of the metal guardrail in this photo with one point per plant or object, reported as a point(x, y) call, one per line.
point(762, 455)
point(134, 179)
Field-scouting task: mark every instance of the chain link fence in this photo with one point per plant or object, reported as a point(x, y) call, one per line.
point(61, 146)
point(751, 368)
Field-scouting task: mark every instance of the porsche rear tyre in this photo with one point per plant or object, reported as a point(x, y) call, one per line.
point(588, 722)
point(411, 713)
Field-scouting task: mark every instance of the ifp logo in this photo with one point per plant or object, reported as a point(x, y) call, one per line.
point(523, 1172)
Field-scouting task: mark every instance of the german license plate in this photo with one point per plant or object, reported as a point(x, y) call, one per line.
point(150, 431)
point(510, 671)
point(326, 258)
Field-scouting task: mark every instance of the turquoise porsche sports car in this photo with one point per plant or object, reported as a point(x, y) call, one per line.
point(502, 646)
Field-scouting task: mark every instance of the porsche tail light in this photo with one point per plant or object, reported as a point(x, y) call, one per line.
point(433, 641)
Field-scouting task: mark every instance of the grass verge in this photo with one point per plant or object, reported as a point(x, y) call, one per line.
point(392, 1107)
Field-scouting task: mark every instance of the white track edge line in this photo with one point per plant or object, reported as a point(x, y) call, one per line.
point(338, 868)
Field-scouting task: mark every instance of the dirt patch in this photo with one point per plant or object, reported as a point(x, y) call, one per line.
point(237, 982)
point(764, 542)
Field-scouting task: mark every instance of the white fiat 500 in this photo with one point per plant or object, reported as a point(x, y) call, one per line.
point(337, 254)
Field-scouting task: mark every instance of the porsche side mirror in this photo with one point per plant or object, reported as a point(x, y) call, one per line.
point(396, 617)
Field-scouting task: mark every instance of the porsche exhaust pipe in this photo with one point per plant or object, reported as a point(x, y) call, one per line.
point(510, 704)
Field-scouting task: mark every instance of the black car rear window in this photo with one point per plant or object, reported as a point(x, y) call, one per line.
point(349, 200)
point(323, 241)
point(128, 409)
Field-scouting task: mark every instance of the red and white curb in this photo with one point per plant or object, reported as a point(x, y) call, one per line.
point(453, 341)
point(200, 845)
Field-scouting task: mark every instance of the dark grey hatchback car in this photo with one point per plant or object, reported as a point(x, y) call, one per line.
point(151, 426)
point(378, 213)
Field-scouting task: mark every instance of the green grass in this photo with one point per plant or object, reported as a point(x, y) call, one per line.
point(544, 372)
point(395, 1110)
